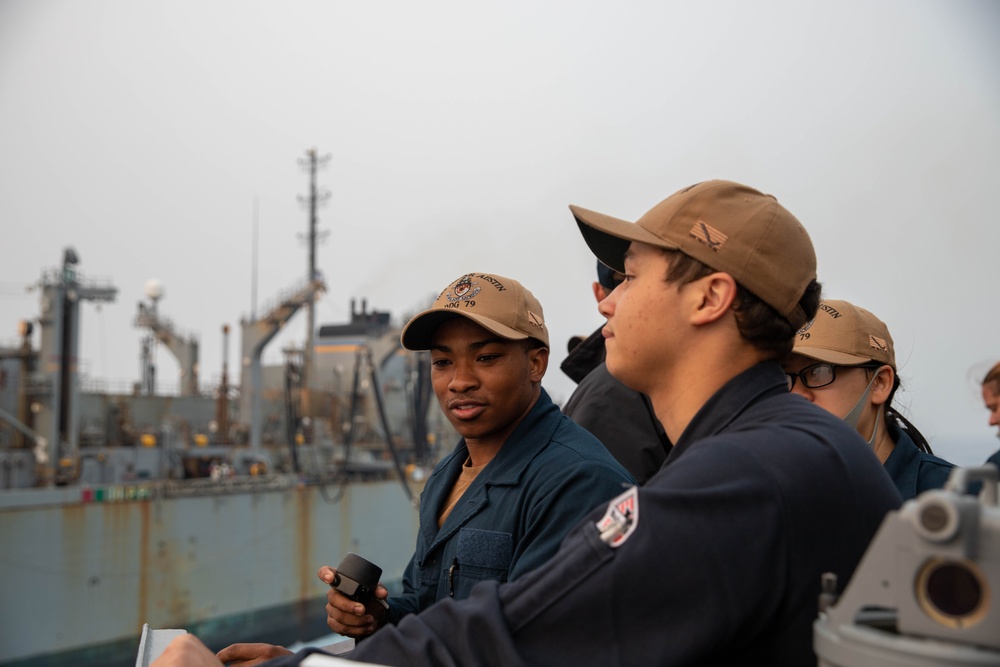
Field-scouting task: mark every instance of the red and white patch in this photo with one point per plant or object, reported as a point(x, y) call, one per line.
point(621, 518)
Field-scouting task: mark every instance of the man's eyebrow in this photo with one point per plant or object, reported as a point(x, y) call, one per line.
point(477, 345)
point(489, 341)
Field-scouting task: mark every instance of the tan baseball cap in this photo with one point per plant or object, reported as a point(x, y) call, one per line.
point(726, 226)
point(846, 335)
point(498, 304)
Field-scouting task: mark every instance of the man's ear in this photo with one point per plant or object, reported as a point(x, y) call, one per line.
point(538, 363)
point(882, 386)
point(713, 297)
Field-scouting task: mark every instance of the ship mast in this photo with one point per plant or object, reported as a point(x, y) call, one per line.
point(57, 394)
point(312, 163)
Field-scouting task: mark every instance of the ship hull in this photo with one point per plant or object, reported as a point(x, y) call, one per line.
point(81, 569)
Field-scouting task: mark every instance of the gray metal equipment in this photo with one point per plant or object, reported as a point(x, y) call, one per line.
point(927, 591)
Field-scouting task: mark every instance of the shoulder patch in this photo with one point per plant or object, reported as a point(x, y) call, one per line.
point(620, 519)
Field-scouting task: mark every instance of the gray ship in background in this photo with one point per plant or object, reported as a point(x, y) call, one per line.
point(205, 510)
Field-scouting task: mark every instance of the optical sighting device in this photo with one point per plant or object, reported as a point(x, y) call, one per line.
point(927, 591)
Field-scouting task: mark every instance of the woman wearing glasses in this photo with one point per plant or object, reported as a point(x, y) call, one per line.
point(843, 361)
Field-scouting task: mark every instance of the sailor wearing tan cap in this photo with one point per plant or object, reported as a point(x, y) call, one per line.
point(844, 362)
point(522, 475)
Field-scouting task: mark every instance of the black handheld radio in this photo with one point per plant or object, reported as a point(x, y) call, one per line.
point(358, 578)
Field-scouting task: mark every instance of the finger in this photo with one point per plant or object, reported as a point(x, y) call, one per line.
point(231, 652)
point(326, 574)
point(349, 625)
point(349, 619)
point(245, 654)
point(345, 604)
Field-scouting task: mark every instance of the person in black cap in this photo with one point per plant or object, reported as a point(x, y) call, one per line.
point(718, 558)
point(620, 417)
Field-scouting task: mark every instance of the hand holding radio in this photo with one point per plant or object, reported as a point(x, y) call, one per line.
point(356, 603)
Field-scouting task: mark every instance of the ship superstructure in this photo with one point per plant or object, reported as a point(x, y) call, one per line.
point(210, 508)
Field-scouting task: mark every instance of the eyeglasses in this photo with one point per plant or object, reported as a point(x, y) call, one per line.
point(820, 375)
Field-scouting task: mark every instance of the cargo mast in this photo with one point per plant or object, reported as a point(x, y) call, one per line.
point(315, 199)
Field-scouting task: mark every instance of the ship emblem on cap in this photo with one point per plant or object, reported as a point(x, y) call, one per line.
point(535, 319)
point(877, 343)
point(464, 289)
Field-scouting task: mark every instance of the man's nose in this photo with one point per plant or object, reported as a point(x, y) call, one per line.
point(606, 306)
point(463, 379)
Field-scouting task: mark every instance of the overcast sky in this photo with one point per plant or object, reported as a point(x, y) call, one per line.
point(141, 133)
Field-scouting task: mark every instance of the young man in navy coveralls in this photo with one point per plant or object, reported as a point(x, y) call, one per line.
point(523, 474)
point(717, 559)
